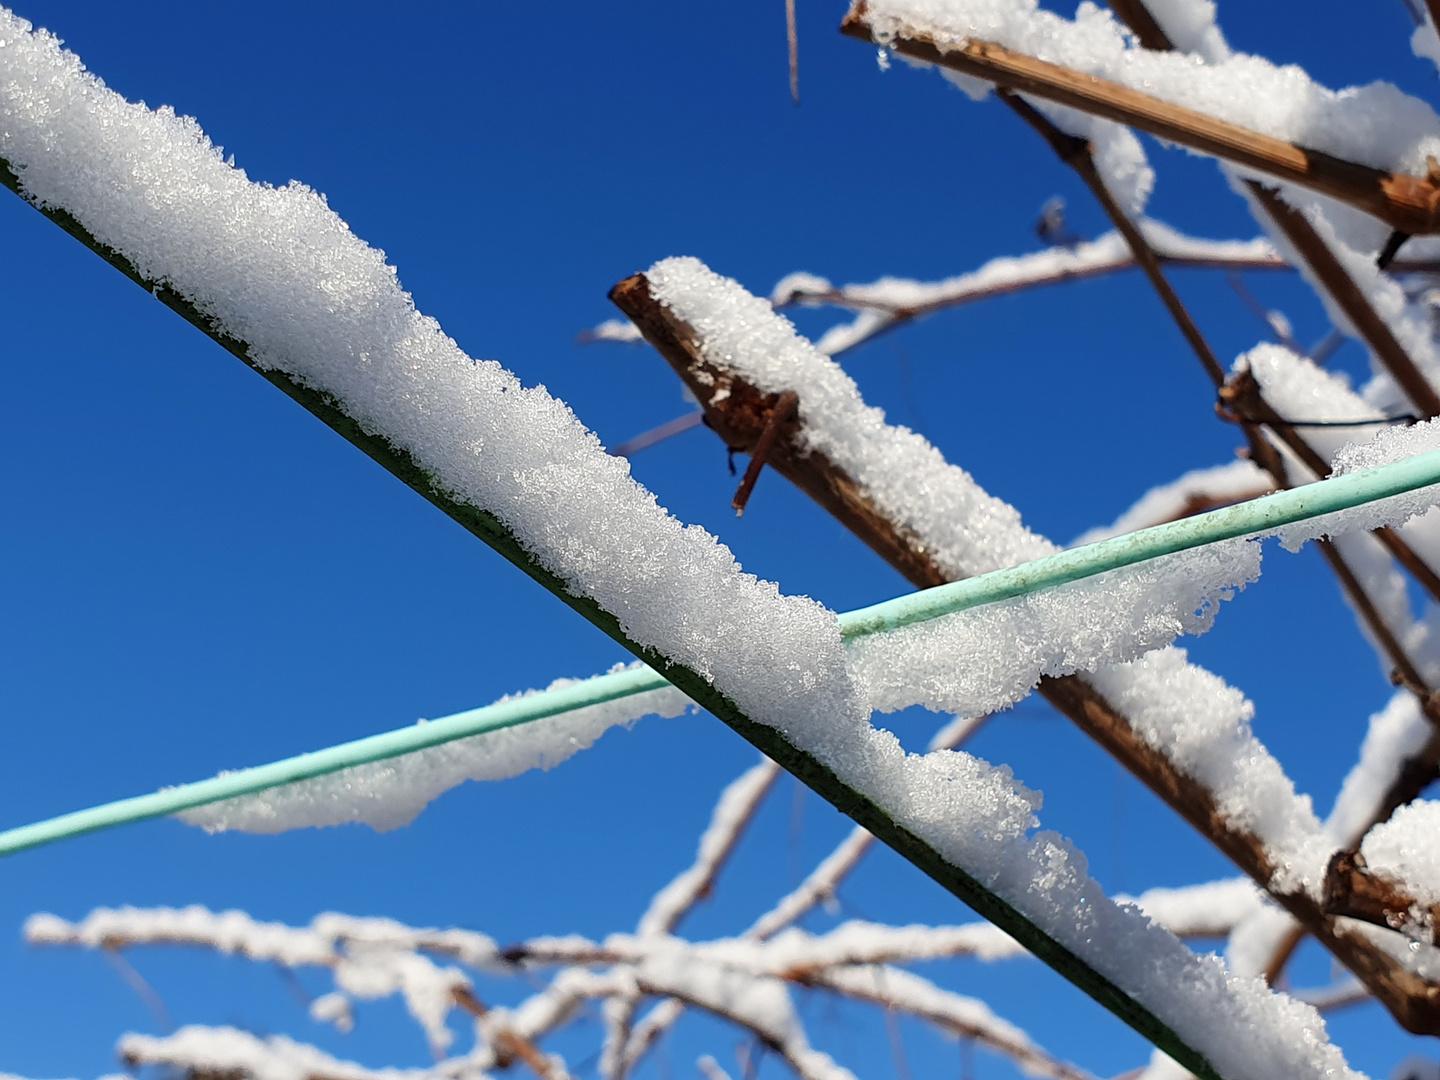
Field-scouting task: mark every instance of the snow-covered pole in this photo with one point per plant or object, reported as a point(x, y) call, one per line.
point(1407, 203)
point(811, 771)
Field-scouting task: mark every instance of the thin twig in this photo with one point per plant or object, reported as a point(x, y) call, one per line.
point(792, 37)
point(1075, 152)
point(780, 414)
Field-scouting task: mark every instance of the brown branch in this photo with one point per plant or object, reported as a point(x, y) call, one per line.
point(1347, 295)
point(792, 40)
point(1410, 204)
point(780, 415)
point(1354, 891)
point(509, 1047)
point(737, 416)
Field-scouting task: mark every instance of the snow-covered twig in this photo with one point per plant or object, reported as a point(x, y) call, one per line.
point(818, 886)
point(890, 302)
point(905, 992)
point(208, 1053)
point(733, 811)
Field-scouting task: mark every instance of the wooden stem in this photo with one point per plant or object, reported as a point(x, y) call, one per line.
point(780, 414)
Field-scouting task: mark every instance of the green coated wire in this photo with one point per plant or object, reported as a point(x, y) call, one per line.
point(1246, 519)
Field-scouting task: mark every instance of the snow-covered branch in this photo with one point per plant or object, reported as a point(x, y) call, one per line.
point(1206, 108)
point(1181, 730)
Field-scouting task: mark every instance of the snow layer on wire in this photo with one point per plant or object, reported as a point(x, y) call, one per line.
point(1404, 849)
point(1376, 124)
point(1299, 390)
point(1106, 619)
point(279, 270)
point(1387, 446)
point(389, 794)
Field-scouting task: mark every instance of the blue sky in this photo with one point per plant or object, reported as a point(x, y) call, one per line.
point(196, 575)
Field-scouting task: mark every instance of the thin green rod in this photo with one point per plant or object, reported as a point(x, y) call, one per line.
point(1257, 516)
point(1245, 519)
point(391, 744)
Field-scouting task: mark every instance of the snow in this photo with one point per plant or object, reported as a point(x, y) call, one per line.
point(953, 1014)
point(879, 303)
point(1190, 26)
point(1118, 155)
point(1396, 732)
point(1209, 738)
point(621, 330)
point(369, 958)
point(1375, 124)
point(391, 793)
point(1207, 910)
point(1403, 850)
point(232, 1051)
point(1220, 484)
point(1008, 645)
point(1389, 445)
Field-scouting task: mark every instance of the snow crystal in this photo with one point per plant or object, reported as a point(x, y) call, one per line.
point(391, 793)
point(1403, 849)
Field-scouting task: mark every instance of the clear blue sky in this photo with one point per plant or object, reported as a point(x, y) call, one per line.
point(196, 575)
